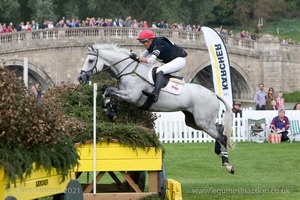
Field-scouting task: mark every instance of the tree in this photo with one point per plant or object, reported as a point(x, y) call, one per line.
point(9, 11)
point(42, 10)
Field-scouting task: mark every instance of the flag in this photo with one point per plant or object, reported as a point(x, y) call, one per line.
point(219, 63)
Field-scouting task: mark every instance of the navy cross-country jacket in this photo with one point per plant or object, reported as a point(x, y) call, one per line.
point(165, 50)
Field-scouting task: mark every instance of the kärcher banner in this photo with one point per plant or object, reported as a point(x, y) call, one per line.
point(219, 63)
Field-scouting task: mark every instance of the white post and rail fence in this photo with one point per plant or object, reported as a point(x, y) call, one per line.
point(171, 127)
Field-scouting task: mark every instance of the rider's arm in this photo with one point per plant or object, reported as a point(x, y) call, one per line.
point(153, 56)
point(144, 54)
point(150, 60)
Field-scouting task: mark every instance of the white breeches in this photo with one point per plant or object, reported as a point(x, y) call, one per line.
point(174, 66)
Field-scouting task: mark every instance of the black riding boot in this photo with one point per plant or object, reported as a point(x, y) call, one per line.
point(157, 86)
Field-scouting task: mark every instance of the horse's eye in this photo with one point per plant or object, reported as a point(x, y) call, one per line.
point(91, 60)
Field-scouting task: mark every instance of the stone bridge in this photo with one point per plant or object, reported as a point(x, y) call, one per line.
point(57, 55)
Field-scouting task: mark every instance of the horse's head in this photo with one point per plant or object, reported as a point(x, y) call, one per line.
point(102, 57)
point(91, 66)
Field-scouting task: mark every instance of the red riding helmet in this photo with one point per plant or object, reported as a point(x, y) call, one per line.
point(145, 35)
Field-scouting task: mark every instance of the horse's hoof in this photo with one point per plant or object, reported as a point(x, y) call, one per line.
point(232, 170)
point(229, 168)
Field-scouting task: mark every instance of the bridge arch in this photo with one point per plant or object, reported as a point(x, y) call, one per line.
point(240, 84)
point(35, 72)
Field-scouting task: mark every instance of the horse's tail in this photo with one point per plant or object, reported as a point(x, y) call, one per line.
point(227, 121)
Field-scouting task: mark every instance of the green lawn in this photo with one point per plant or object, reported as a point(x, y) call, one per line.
point(263, 171)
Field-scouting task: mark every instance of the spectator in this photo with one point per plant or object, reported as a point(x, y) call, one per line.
point(280, 100)
point(285, 41)
point(19, 27)
point(121, 22)
point(280, 124)
point(60, 24)
point(34, 25)
point(128, 22)
point(260, 98)
point(28, 26)
point(11, 28)
point(273, 105)
point(44, 25)
point(243, 34)
point(270, 98)
point(297, 106)
point(50, 25)
point(145, 24)
point(253, 36)
point(153, 25)
point(135, 24)
point(237, 109)
point(115, 22)
point(4, 28)
point(36, 91)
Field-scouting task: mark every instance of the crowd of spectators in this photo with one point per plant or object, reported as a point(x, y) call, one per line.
point(93, 22)
point(117, 22)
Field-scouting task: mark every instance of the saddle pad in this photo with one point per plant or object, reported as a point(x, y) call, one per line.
point(174, 85)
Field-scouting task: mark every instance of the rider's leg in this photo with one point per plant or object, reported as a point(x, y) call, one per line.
point(157, 86)
point(168, 68)
point(173, 66)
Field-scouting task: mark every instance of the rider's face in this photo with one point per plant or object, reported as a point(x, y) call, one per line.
point(147, 44)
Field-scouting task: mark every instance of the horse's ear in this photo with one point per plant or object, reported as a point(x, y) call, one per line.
point(90, 48)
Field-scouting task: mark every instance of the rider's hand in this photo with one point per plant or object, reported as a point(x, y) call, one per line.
point(134, 57)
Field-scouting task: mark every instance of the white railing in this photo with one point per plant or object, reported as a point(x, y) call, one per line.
point(171, 127)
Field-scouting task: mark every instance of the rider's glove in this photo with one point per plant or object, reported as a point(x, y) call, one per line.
point(134, 57)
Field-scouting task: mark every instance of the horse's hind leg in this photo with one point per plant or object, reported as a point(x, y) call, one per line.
point(215, 131)
point(221, 149)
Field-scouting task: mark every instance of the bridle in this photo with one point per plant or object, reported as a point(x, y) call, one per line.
point(94, 70)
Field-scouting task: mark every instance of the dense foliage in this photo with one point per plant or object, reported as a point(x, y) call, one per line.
point(45, 134)
point(216, 12)
point(31, 134)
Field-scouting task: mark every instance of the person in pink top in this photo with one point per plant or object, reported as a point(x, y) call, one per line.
point(280, 100)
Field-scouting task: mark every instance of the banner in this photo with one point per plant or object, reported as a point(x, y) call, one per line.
point(219, 63)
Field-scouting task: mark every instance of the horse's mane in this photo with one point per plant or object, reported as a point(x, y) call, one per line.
point(112, 47)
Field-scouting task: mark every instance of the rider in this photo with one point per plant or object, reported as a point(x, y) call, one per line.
point(160, 48)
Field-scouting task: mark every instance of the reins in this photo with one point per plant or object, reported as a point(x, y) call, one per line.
point(119, 75)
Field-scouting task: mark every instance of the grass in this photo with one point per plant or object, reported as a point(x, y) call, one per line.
point(289, 28)
point(263, 171)
point(292, 97)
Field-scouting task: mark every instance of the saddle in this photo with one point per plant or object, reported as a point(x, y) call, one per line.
point(171, 83)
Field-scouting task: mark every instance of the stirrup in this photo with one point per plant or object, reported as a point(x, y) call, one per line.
point(152, 95)
point(147, 93)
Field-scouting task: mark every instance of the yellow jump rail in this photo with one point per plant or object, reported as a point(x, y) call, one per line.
point(114, 157)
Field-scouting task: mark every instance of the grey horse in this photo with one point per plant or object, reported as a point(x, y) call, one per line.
point(200, 105)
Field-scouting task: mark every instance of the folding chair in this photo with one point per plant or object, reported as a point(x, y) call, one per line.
point(294, 129)
point(257, 130)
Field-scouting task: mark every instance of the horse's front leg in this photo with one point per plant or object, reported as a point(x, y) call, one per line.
point(112, 91)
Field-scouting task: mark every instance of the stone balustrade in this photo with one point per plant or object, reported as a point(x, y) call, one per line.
point(33, 39)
